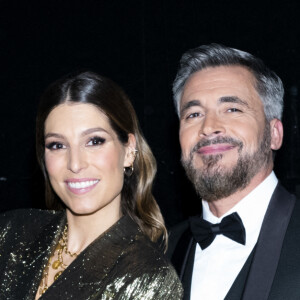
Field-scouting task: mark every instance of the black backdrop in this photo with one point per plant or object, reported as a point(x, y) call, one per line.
point(138, 44)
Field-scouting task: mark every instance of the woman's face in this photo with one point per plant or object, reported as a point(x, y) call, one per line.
point(85, 160)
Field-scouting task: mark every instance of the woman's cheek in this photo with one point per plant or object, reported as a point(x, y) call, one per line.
point(107, 158)
point(54, 164)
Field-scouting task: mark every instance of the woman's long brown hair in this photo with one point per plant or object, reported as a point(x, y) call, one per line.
point(137, 200)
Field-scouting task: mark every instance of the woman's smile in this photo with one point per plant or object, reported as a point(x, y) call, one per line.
point(82, 185)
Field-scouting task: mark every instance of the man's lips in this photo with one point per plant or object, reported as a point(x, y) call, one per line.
point(82, 185)
point(215, 149)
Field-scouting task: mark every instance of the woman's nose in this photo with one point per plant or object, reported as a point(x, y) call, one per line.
point(76, 160)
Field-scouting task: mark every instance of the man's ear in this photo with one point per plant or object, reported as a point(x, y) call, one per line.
point(276, 128)
point(130, 151)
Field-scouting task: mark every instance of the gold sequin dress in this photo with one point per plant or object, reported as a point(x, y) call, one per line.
point(120, 264)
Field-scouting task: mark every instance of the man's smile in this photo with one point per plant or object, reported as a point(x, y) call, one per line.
point(215, 149)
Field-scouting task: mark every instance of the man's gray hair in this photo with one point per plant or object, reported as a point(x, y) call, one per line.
point(268, 85)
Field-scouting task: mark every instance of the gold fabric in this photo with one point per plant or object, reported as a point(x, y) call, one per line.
point(120, 264)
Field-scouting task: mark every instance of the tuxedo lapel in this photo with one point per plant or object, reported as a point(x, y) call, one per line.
point(183, 260)
point(187, 272)
point(237, 288)
point(265, 261)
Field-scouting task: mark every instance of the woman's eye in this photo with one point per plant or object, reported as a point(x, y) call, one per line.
point(95, 141)
point(55, 146)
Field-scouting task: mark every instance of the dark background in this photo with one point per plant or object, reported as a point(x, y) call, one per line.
point(138, 44)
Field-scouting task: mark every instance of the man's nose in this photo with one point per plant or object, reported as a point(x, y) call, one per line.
point(212, 125)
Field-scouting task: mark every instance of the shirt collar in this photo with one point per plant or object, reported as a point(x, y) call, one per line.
point(251, 208)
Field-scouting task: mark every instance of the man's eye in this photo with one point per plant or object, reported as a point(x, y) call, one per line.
point(55, 146)
point(193, 115)
point(95, 141)
point(233, 110)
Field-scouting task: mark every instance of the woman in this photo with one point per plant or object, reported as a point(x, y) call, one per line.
point(99, 242)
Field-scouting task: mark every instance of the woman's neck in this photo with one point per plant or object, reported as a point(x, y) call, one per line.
point(84, 229)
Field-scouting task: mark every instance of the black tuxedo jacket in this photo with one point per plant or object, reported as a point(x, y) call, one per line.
point(272, 270)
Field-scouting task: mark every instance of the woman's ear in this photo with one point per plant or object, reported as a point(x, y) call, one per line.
point(276, 128)
point(130, 151)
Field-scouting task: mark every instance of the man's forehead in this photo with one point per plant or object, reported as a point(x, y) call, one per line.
point(211, 74)
point(222, 78)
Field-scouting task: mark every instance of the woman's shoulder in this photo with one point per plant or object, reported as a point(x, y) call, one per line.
point(28, 212)
point(149, 255)
point(152, 270)
point(32, 217)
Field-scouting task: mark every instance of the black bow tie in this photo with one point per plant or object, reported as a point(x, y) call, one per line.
point(204, 232)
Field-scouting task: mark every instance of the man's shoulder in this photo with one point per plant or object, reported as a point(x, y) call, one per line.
point(295, 216)
point(178, 229)
point(175, 233)
point(285, 195)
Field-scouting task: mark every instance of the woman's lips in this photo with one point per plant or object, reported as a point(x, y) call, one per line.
point(81, 186)
point(215, 149)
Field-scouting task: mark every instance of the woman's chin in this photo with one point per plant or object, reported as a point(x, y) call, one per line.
point(81, 211)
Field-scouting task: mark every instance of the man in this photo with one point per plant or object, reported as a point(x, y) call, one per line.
point(246, 243)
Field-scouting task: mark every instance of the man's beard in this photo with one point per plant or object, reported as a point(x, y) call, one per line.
point(213, 182)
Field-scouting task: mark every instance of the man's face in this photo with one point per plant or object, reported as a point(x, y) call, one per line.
point(224, 137)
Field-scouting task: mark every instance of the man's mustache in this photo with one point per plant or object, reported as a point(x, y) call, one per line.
point(217, 140)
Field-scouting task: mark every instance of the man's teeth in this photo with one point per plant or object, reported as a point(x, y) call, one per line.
point(82, 184)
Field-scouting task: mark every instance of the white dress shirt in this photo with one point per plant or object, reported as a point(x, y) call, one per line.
point(217, 266)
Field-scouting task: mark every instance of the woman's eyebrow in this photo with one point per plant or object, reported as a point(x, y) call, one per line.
point(92, 130)
point(56, 135)
point(84, 133)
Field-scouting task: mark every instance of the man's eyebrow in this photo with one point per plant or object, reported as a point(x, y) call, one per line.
point(233, 99)
point(189, 104)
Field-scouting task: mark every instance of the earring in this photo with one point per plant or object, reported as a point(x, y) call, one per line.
point(128, 171)
point(133, 152)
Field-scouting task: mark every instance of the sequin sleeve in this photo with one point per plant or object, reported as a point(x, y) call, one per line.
point(162, 285)
point(120, 264)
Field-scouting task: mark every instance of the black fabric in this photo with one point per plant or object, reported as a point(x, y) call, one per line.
point(179, 258)
point(237, 289)
point(183, 257)
point(205, 232)
point(286, 281)
point(269, 246)
point(187, 272)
